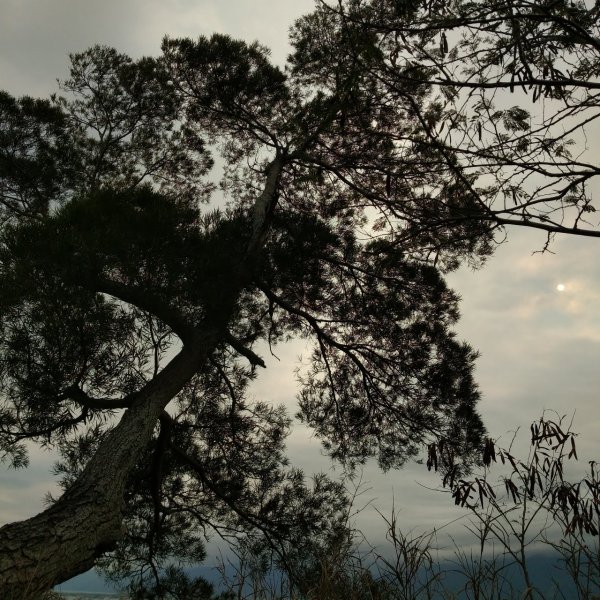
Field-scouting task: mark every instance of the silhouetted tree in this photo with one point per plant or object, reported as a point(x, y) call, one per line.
point(132, 314)
point(503, 94)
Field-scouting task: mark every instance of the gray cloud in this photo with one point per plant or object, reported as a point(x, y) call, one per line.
point(36, 36)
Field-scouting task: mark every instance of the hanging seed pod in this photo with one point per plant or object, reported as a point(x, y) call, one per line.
point(443, 44)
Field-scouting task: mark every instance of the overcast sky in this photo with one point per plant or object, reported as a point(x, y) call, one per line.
point(539, 346)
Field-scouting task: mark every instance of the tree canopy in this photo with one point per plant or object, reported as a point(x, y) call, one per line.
point(138, 288)
point(507, 100)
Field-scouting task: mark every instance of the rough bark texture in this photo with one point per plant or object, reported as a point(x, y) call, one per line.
point(66, 539)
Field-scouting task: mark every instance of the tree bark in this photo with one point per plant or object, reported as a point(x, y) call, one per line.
point(68, 537)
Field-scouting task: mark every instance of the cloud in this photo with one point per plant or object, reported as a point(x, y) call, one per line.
point(539, 347)
point(22, 492)
point(36, 36)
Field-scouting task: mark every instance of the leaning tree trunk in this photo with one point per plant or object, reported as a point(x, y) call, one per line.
point(67, 538)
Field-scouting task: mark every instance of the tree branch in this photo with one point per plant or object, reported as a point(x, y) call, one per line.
point(544, 227)
point(76, 394)
point(265, 204)
point(254, 359)
point(198, 469)
point(145, 300)
point(46, 432)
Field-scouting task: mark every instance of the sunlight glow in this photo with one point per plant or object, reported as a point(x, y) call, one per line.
point(561, 287)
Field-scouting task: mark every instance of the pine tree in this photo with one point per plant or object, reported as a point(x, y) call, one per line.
point(133, 313)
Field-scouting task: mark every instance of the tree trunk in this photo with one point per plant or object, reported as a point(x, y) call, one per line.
point(68, 537)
